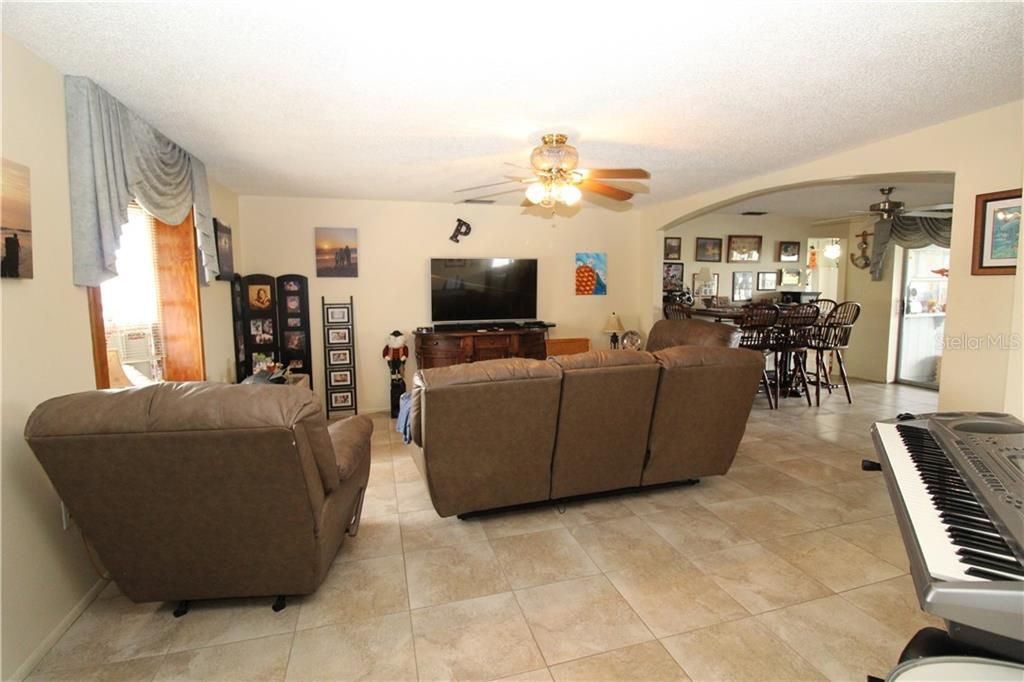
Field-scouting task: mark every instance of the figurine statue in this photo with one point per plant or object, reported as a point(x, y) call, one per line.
point(396, 353)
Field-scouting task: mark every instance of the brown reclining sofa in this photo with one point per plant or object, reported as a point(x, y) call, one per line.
point(501, 433)
point(203, 490)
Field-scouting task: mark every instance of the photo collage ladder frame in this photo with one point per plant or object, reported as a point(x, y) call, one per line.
point(339, 356)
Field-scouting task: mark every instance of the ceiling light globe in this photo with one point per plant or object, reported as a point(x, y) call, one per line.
point(536, 192)
point(833, 251)
point(571, 195)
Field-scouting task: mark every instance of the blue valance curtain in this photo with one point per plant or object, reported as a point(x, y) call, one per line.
point(115, 157)
point(908, 232)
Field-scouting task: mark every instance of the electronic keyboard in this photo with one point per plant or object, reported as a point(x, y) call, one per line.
point(956, 480)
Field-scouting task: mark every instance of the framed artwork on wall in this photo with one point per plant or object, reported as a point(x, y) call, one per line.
point(671, 276)
point(709, 249)
point(789, 252)
point(744, 248)
point(225, 251)
point(996, 233)
point(767, 281)
point(16, 221)
point(742, 286)
point(339, 357)
point(790, 277)
point(337, 314)
point(337, 252)
point(339, 378)
point(591, 273)
point(705, 288)
point(341, 400)
point(339, 336)
point(673, 248)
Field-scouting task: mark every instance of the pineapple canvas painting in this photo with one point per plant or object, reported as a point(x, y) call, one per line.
point(591, 273)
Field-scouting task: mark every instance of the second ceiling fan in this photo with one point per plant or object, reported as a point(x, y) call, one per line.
point(888, 208)
point(557, 180)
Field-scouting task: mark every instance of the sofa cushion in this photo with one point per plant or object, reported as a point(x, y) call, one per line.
point(487, 371)
point(668, 333)
point(596, 359)
point(350, 439)
point(703, 356)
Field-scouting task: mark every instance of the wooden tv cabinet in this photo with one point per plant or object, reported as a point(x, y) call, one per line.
point(443, 348)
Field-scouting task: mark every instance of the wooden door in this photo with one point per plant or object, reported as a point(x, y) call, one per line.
point(177, 272)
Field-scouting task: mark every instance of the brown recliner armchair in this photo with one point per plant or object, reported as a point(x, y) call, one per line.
point(668, 333)
point(203, 490)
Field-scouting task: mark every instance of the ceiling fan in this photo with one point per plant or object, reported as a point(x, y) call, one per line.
point(557, 180)
point(887, 208)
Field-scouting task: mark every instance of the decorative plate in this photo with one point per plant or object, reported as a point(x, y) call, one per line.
point(632, 340)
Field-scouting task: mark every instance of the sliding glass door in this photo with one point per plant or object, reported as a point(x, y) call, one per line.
point(923, 315)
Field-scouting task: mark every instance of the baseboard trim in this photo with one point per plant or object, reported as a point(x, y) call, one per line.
point(44, 647)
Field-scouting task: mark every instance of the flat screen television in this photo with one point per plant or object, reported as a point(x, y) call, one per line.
point(483, 289)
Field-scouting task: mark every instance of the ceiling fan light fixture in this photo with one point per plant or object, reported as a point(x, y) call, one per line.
point(570, 195)
point(832, 251)
point(554, 154)
point(536, 192)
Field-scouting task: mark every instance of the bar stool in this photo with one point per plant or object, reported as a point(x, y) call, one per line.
point(833, 335)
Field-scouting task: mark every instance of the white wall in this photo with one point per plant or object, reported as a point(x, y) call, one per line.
point(984, 151)
point(396, 241)
point(47, 352)
point(772, 229)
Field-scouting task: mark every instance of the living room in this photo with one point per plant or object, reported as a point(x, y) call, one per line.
point(379, 138)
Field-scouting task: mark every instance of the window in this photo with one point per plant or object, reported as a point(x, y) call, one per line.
point(146, 321)
point(131, 301)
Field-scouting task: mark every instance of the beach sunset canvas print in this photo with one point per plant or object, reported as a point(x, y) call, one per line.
point(16, 221)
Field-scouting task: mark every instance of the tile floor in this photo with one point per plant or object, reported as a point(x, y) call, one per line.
point(789, 567)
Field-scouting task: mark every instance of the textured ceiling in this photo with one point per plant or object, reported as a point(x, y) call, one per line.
point(837, 200)
point(412, 101)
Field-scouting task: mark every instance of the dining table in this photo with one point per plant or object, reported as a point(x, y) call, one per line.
point(731, 314)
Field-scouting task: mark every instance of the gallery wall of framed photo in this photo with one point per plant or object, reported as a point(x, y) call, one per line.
point(748, 257)
point(339, 356)
point(271, 323)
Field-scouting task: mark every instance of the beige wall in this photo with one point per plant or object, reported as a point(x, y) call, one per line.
point(872, 353)
point(45, 335)
point(218, 335)
point(984, 150)
point(396, 241)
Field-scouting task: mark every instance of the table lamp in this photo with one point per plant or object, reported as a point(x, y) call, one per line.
point(614, 327)
point(703, 279)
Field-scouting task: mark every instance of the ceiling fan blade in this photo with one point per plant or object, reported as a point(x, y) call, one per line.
point(866, 212)
point(927, 214)
point(494, 184)
point(606, 190)
point(610, 173)
point(932, 207)
point(488, 195)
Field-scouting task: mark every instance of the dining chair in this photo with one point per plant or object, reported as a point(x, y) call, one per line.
point(825, 306)
point(756, 330)
point(789, 344)
point(677, 311)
